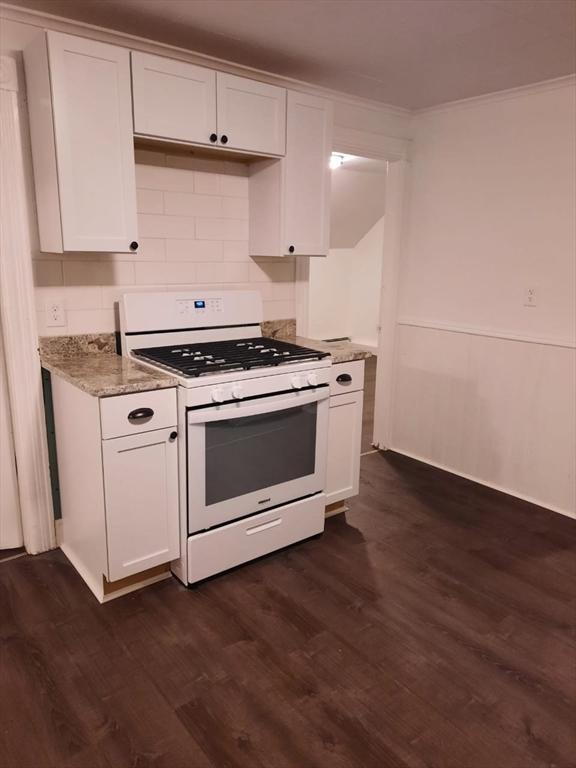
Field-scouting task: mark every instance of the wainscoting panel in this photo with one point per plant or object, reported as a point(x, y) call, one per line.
point(497, 410)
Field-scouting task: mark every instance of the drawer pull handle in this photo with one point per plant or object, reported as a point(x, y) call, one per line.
point(344, 378)
point(140, 415)
point(264, 526)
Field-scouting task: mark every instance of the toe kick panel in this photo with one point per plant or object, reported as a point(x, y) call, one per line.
point(223, 548)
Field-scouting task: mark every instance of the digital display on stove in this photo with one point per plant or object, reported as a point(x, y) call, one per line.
point(199, 304)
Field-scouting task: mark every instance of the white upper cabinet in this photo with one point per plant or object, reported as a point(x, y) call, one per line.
point(178, 101)
point(290, 198)
point(173, 99)
point(307, 176)
point(251, 115)
point(82, 143)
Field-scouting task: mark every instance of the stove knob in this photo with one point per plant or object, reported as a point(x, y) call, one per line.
point(312, 379)
point(218, 395)
point(297, 382)
point(237, 392)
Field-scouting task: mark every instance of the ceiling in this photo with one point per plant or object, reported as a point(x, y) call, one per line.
point(409, 53)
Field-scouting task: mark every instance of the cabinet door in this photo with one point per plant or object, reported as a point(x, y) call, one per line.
point(344, 433)
point(173, 99)
point(251, 115)
point(141, 497)
point(93, 136)
point(307, 176)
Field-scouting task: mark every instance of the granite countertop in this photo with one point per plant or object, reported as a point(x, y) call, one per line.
point(340, 351)
point(91, 364)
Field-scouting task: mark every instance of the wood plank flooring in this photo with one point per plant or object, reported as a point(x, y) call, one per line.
point(368, 405)
point(434, 626)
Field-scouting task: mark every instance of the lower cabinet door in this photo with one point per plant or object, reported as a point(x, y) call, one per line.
point(141, 496)
point(344, 433)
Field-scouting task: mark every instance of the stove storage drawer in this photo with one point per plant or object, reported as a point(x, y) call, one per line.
point(231, 545)
point(140, 412)
point(347, 377)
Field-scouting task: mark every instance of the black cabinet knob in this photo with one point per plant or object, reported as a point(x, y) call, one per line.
point(224, 139)
point(291, 249)
point(344, 378)
point(133, 245)
point(173, 436)
point(140, 414)
point(213, 137)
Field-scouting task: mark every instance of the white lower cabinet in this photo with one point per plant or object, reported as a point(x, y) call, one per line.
point(118, 477)
point(344, 432)
point(141, 497)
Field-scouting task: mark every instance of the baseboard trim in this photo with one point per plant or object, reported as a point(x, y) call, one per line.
point(500, 488)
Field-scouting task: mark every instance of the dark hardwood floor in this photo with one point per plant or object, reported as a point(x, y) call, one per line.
point(368, 405)
point(434, 626)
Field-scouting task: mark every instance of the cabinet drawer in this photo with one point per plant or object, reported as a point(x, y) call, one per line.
point(347, 377)
point(222, 548)
point(140, 412)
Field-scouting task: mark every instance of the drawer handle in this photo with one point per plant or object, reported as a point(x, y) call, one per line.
point(264, 526)
point(344, 378)
point(140, 415)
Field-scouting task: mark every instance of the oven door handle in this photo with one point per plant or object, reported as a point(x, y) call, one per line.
point(266, 405)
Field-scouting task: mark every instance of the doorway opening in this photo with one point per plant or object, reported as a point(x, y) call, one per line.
point(345, 287)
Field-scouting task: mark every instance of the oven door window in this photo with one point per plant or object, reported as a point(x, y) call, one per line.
point(252, 453)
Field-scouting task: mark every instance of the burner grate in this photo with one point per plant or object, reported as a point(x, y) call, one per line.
point(221, 356)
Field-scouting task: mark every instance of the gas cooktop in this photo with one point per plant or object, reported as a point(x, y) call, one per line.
point(191, 360)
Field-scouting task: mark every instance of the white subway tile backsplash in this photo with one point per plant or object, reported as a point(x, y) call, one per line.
point(235, 207)
point(272, 272)
point(193, 231)
point(111, 294)
point(165, 272)
point(194, 250)
point(221, 229)
point(189, 204)
point(149, 201)
point(236, 250)
point(223, 272)
point(91, 321)
point(48, 273)
point(98, 273)
point(207, 183)
point(165, 179)
point(278, 310)
point(233, 186)
point(152, 225)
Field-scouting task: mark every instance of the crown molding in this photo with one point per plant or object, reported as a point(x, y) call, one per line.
point(147, 45)
point(508, 94)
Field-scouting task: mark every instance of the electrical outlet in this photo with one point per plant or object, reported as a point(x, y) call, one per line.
point(530, 297)
point(55, 314)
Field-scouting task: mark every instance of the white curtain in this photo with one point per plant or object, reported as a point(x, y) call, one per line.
point(10, 520)
point(18, 319)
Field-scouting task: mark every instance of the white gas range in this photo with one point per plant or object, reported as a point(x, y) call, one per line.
point(252, 424)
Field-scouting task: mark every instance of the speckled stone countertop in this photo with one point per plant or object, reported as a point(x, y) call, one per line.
point(340, 351)
point(90, 363)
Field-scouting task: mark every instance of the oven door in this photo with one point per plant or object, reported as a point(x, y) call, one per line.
point(247, 456)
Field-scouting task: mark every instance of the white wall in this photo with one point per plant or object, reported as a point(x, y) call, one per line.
point(365, 286)
point(357, 201)
point(484, 385)
point(345, 290)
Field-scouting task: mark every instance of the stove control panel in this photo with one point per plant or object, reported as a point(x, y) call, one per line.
point(199, 307)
